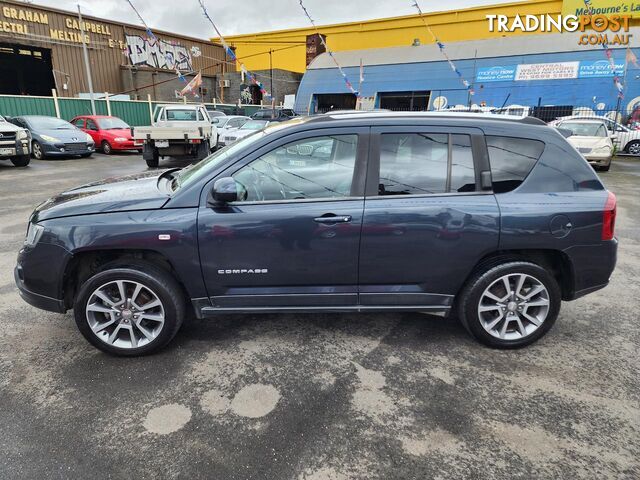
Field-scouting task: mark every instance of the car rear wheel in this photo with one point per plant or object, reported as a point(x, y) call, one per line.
point(129, 310)
point(634, 147)
point(510, 305)
point(21, 161)
point(106, 147)
point(36, 150)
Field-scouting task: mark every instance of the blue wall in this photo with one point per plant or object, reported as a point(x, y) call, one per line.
point(441, 80)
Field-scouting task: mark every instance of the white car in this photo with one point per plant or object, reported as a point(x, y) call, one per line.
point(246, 129)
point(625, 139)
point(591, 138)
point(226, 124)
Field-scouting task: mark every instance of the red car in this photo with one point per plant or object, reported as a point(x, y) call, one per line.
point(109, 133)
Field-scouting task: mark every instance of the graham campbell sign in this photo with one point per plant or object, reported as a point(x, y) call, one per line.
point(547, 71)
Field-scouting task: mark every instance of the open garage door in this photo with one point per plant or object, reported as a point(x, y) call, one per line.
point(26, 70)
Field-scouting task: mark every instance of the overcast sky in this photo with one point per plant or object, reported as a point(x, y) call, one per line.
point(248, 16)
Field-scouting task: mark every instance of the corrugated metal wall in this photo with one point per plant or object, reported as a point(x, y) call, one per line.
point(106, 55)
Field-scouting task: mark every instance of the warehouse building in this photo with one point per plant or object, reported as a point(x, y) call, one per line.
point(41, 49)
point(549, 69)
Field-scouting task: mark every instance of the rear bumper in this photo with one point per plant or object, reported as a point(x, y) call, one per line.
point(39, 301)
point(592, 267)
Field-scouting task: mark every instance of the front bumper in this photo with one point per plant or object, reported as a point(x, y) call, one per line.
point(128, 145)
point(59, 149)
point(39, 301)
point(15, 149)
point(598, 158)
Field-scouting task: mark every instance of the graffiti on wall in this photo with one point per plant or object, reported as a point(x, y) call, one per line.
point(157, 54)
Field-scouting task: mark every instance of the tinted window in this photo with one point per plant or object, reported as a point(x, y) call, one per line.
point(319, 167)
point(418, 163)
point(413, 163)
point(91, 125)
point(511, 160)
point(182, 115)
point(463, 177)
point(79, 122)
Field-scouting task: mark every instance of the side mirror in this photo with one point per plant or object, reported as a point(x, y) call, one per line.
point(226, 190)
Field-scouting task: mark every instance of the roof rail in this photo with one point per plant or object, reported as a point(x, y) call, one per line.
point(532, 120)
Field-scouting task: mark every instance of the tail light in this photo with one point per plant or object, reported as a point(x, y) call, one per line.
point(609, 217)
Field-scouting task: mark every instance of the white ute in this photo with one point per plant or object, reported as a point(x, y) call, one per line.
point(177, 131)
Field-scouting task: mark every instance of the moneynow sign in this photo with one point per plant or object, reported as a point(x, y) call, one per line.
point(548, 71)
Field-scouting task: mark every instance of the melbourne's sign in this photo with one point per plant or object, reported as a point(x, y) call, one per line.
point(602, 7)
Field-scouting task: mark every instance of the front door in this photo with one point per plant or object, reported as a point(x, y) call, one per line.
point(293, 241)
point(427, 220)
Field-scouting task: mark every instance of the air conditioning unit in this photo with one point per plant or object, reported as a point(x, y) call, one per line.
point(225, 83)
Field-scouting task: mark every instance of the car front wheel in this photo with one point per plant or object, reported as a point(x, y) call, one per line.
point(129, 310)
point(36, 150)
point(510, 305)
point(634, 147)
point(106, 148)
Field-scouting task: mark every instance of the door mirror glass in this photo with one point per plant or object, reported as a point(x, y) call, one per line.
point(227, 190)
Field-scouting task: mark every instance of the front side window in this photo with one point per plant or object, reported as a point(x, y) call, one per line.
point(79, 122)
point(425, 163)
point(91, 125)
point(314, 168)
point(511, 160)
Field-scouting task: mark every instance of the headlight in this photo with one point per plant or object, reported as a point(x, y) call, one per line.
point(89, 138)
point(50, 139)
point(120, 139)
point(34, 232)
point(22, 134)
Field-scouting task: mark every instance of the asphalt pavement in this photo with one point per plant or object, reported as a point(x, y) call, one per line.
point(323, 396)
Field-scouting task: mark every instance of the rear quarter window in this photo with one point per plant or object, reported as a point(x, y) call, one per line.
point(511, 160)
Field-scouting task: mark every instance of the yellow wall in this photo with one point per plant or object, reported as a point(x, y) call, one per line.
point(452, 26)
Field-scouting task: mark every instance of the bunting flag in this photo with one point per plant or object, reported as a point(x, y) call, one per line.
point(631, 57)
point(609, 55)
point(443, 51)
point(328, 50)
point(192, 86)
point(230, 51)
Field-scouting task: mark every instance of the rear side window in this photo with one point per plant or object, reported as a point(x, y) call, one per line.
point(425, 163)
point(511, 160)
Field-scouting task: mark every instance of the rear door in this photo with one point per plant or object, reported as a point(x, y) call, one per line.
point(293, 242)
point(427, 220)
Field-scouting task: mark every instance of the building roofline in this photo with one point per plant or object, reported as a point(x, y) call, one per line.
point(35, 6)
point(384, 19)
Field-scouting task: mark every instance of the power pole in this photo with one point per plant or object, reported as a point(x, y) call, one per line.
point(271, 75)
point(87, 67)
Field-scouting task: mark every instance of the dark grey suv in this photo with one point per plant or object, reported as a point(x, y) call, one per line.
point(493, 219)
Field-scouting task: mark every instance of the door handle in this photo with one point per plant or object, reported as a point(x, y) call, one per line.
point(330, 218)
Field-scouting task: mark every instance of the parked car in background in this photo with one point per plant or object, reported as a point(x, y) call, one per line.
point(247, 128)
point(177, 131)
point(277, 115)
point(491, 218)
point(108, 133)
point(591, 138)
point(226, 124)
point(624, 139)
point(14, 143)
point(54, 137)
point(213, 112)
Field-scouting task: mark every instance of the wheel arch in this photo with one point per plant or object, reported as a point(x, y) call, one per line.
point(85, 264)
point(556, 262)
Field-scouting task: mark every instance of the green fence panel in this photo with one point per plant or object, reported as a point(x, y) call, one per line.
point(134, 113)
point(72, 107)
point(12, 106)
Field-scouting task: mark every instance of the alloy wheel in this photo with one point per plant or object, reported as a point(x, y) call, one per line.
point(634, 148)
point(37, 151)
point(514, 306)
point(125, 314)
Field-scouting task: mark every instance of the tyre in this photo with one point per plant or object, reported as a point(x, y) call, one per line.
point(154, 160)
point(36, 150)
point(21, 161)
point(510, 305)
point(633, 147)
point(129, 310)
point(106, 147)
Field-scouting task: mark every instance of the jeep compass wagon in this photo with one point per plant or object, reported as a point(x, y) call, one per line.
point(490, 218)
